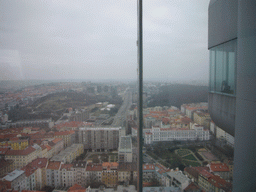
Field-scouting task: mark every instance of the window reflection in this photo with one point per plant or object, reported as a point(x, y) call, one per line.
point(223, 68)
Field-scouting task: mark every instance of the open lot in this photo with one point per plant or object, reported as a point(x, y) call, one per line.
point(102, 157)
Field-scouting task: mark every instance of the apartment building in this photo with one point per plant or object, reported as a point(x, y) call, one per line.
point(67, 136)
point(40, 165)
point(18, 144)
point(67, 175)
point(196, 132)
point(103, 139)
point(79, 169)
point(69, 154)
point(126, 172)
point(53, 174)
point(189, 109)
point(93, 173)
point(30, 177)
point(22, 157)
point(193, 173)
point(221, 169)
point(213, 183)
point(57, 144)
point(110, 174)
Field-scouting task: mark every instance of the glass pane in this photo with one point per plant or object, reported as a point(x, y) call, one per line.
point(219, 68)
point(212, 69)
point(231, 63)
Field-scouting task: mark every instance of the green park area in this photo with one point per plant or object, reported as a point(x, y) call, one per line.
point(175, 157)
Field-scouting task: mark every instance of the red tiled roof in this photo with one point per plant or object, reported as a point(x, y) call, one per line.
point(218, 167)
point(39, 162)
point(26, 151)
point(3, 150)
point(94, 167)
point(76, 188)
point(192, 187)
point(54, 165)
point(205, 174)
point(148, 167)
point(56, 140)
point(110, 164)
point(194, 171)
point(66, 166)
point(220, 183)
point(48, 147)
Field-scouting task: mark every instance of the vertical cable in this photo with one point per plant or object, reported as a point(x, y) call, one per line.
point(140, 99)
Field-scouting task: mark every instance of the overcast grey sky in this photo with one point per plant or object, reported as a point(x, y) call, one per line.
point(96, 39)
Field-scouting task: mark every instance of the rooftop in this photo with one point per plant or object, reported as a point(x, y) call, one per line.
point(13, 175)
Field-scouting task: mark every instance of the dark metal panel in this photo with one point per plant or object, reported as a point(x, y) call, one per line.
point(222, 21)
point(140, 91)
point(245, 140)
point(222, 109)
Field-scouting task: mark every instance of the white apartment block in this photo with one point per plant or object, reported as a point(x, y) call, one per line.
point(195, 132)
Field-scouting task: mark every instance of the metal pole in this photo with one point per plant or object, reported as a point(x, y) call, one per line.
point(140, 99)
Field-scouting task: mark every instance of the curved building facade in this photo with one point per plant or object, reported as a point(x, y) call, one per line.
point(232, 100)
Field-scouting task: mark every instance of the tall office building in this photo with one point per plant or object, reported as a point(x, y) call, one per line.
point(232, 101)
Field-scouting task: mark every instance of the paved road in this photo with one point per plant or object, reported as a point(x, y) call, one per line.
point(122, 112)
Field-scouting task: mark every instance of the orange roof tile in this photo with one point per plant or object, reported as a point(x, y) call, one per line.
point(94, 167)
point(76, 188)
point(66, 166)
point(26, 151)
point(56, 140)
point(218, 167)
point(110, 164)
point(55, 165)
